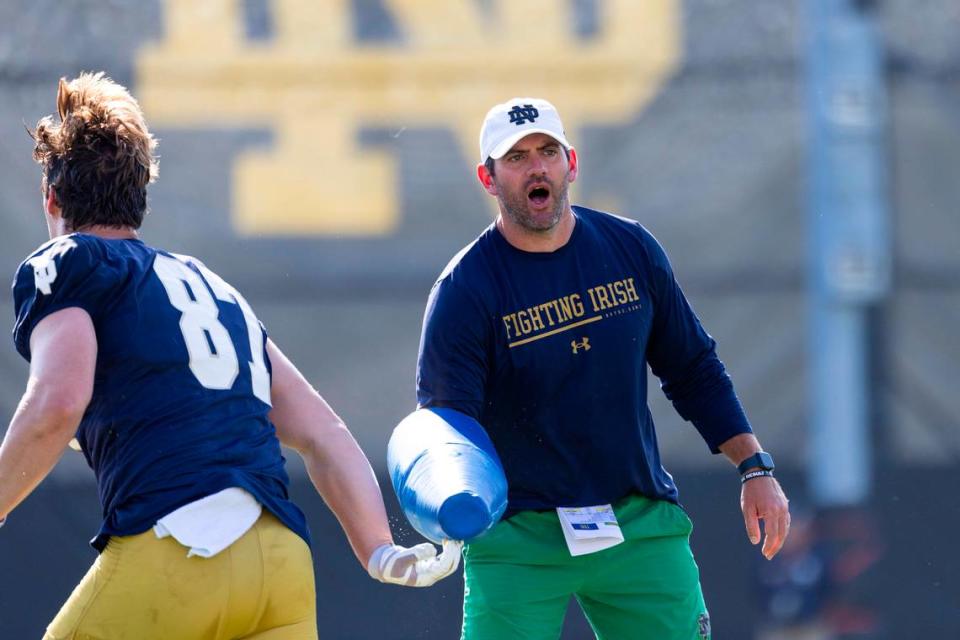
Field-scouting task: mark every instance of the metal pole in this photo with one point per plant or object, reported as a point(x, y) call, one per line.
point(849, 241)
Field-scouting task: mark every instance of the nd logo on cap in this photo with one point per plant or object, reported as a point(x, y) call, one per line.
point(520, 114)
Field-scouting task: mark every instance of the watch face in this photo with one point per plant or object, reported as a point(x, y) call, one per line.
point(761, 459)
point(766, 460)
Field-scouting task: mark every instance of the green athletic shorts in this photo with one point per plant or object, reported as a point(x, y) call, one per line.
point(519, 578)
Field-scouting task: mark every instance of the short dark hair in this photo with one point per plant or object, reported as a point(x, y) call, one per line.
point(100, 157)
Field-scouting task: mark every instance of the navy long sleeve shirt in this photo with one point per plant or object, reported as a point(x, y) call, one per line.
point(549, 352)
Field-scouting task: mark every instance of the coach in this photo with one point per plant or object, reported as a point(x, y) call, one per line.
point(542, 329)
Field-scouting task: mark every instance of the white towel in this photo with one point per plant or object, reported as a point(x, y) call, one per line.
point(209, 525)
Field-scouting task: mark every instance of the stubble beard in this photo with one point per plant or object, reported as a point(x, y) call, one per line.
point(515, 207)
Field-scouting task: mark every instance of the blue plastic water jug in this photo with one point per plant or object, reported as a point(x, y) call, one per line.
point(447, 475)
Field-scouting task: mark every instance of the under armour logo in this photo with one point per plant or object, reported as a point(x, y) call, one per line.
point(577, 346)
point(526, 113)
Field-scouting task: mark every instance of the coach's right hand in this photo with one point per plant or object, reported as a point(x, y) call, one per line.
point(418, 566)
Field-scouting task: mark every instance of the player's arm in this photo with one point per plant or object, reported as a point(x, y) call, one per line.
point(63, 349)
point(761, 498)
point(336, 464)
point(344, 478)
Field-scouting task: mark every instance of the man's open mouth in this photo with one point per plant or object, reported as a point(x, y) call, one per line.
point(538, 195)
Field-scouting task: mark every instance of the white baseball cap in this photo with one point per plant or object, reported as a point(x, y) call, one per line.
point(509, 121)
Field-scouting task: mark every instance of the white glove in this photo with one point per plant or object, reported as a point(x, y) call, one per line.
point(418, 566)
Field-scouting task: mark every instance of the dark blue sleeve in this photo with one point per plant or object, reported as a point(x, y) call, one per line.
point(62, 273)
point(453, 361)
point(684, 357)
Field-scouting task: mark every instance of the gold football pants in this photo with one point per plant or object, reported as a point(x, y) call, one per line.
point(143, 588)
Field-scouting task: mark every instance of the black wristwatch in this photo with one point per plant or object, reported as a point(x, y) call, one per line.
point(760, 460)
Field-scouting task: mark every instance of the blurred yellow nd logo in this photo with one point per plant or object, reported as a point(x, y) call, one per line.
point(315, 87)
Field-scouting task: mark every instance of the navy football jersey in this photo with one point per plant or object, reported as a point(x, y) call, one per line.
point(548, 351)
point(182, 385)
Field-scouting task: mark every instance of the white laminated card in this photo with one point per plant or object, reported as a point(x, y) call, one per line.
point(589, 529)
